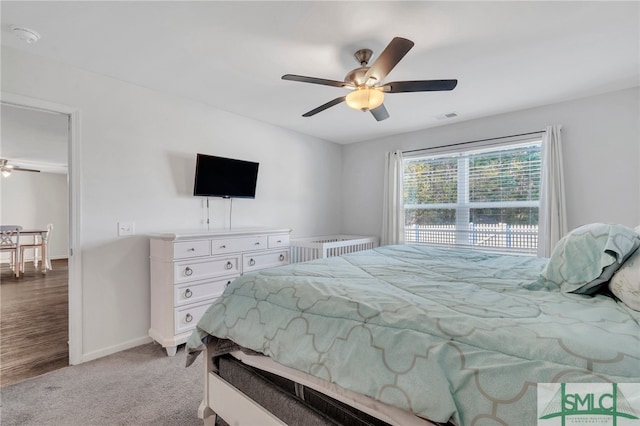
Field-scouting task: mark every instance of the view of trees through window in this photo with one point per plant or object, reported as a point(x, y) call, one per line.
point(461, 194)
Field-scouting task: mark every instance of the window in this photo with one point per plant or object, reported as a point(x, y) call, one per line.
point(485, 197)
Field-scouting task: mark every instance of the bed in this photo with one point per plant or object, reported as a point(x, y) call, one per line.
point(417, 335)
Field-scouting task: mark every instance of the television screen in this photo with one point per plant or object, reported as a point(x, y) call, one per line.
point(225, 177)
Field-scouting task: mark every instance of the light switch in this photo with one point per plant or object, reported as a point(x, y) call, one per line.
point(126, 228)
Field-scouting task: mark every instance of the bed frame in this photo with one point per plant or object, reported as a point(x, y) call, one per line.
point(311, 248)
point(233, 406)
point(235, 401)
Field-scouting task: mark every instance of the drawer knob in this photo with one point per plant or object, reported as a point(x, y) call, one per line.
point(188, 318)
point(252, 262)
point(188, 271)
point(188, 293)
point(279, 241)
point(228, 282)
point(191, 249)
point(257, 243)
point(229, 265)
point(223, 246)
point(281, 258)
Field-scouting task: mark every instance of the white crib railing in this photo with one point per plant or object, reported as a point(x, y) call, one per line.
point(310, 248)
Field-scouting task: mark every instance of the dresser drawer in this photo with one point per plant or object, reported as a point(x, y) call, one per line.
point(202, 269)
point(186, 317)
point(255, 261)
point(277, 241)
point(186, 249)
point(233, 245)
point(199, 291)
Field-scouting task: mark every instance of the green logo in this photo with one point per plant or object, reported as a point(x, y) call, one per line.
point(588, 403)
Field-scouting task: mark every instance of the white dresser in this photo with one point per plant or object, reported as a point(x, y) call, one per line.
point(189, 270)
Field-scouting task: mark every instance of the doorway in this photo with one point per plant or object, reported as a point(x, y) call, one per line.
point(33, 304)
point(66, 236)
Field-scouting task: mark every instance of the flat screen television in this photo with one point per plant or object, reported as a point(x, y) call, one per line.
point(225, 177)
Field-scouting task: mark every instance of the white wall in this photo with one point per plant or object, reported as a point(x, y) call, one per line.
point(138, 152)
point(34, 200)
point(601, 137)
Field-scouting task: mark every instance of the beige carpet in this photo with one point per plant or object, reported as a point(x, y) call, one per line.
point(139, 386)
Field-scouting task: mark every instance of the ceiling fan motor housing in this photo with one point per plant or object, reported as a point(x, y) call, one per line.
point(356, 76)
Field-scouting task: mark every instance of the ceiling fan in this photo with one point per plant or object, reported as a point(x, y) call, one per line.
point(365, 83)
point(6, 168)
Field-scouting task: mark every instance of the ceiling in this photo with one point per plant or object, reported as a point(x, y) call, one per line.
point(506, 55)
point(34, 139)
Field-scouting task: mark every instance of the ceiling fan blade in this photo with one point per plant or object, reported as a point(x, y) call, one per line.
point(389, 58)
point(323, 81)
point(321, 108)
point(419, 86)
point(380, 113)
point(6, 167)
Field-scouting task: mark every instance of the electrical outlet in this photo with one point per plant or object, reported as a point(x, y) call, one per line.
point(126, 228)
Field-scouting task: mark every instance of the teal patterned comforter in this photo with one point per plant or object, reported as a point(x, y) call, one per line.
point(448, 334)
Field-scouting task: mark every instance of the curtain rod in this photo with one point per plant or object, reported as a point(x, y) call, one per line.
point(468, 142)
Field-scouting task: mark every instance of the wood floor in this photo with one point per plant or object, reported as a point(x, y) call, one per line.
point(34, 322)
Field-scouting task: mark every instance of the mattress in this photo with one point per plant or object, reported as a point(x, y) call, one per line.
point(347, 406)
point(288, 395)
point(446, 334)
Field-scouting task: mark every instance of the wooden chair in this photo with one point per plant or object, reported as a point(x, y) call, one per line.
point(40, 252)
point(10, 242)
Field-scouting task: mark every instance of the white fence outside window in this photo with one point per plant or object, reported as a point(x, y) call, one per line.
point(517, 238)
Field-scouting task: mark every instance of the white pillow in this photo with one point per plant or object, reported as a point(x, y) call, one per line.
point(625, 283)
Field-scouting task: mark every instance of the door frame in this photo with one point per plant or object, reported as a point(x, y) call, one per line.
point(75, 210)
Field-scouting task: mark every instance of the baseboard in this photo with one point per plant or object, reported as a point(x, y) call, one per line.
point(90, 356)
point(30, 258)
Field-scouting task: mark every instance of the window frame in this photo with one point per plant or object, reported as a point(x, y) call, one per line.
point(463, 205)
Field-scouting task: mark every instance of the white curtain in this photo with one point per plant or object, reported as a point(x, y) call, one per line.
point(552, 223)
point(393, 213)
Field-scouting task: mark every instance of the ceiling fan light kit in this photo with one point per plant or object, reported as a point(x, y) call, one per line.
point(365, 98)
point(365, 82)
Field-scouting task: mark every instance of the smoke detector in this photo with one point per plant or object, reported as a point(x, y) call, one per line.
point(28, 35)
